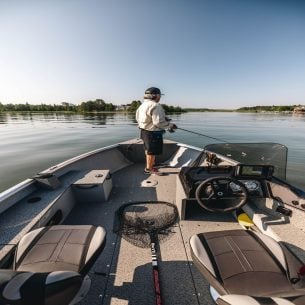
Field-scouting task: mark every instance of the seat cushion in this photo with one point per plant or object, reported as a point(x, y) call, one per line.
point(243, 262)
point(72, 248)
point(50, 288)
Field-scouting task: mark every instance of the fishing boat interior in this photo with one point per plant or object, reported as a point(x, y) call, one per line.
point(238, 237)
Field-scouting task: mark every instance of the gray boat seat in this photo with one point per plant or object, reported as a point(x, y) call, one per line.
point(16, 288)
point(247, 263)
point(61, 247)
point(247, 300)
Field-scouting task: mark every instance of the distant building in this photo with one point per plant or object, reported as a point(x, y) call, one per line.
point(122, 107)
point(299, 109)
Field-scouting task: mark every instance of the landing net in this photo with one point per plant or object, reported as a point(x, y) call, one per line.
point(139, 222)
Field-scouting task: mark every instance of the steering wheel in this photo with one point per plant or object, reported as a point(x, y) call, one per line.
point(215, 194)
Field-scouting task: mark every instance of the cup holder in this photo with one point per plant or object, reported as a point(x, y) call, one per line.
point(34, 199)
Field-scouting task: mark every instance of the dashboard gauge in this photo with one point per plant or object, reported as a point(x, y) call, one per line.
point(251, 185)
point(209, 191)
point(234, 187)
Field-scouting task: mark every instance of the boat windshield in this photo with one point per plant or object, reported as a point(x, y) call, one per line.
point(255, 154)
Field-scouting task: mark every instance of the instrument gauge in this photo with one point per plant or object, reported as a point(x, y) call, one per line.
point(234, 187)
point(251, 185)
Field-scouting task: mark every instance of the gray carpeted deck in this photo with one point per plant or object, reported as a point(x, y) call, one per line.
point(123, 274)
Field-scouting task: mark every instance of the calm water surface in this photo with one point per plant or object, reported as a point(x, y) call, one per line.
point(30, 143)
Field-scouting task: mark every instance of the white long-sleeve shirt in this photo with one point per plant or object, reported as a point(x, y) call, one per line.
point(151, 116)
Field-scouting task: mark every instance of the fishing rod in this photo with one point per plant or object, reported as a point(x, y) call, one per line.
point(201, 134)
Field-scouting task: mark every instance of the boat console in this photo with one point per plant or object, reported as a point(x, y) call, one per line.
point(231, 181)
point(251, 175)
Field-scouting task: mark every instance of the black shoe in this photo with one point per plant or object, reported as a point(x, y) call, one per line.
point(147, 171)
point(153, 171)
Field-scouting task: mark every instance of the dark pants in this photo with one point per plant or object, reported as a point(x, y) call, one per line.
point(153, 141)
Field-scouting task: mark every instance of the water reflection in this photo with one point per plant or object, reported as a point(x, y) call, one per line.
point(66, 118)
point(98, 119)
point(3, 118)
point(298, 116)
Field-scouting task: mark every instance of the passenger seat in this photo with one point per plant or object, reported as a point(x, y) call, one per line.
point(27, 288)
point(62, 247)
point(51, 264)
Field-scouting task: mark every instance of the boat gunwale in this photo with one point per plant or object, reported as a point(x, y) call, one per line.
point(14, 189)
point(51, 170)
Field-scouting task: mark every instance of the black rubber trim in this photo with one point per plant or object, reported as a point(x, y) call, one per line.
point(264, 301)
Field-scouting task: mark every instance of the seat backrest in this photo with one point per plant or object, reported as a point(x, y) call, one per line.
point(235, 299)
point(29, 288)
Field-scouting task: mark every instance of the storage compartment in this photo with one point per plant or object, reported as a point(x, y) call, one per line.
point(93, 187)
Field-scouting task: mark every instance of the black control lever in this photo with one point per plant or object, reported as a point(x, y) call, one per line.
point(285, 211)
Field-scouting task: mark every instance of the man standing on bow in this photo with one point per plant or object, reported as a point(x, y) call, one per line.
point(152, 122)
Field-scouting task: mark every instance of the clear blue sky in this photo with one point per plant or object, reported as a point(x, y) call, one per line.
point(201, 53)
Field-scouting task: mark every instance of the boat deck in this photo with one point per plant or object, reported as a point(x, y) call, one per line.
point(123, 273)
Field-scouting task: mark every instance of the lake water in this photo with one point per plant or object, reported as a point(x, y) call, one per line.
point(30, 143)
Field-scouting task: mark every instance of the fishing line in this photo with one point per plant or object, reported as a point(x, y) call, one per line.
point(203, 135)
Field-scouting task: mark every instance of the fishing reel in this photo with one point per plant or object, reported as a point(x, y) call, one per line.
point(172, 128)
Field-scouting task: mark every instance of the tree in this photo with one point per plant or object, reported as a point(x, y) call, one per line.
point(134, 106)
point(109, 107)
point(172, 109)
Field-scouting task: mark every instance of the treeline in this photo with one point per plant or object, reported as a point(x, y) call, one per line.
point(206, 110)
point(266, 108)
point(41, 107)
point(98, 105)
point(172, 109)
point(89, 106)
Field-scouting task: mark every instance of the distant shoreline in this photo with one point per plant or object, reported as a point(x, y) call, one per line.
point(128, 112)
point(100, 106)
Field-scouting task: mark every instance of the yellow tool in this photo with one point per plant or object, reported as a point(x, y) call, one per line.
point(245, 221)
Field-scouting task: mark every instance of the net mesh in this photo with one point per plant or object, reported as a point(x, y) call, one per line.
point(137, 222)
